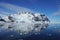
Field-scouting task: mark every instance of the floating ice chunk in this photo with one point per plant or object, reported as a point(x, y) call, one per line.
point(25, 22)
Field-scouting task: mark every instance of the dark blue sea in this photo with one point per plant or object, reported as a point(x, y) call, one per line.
point(52, 32)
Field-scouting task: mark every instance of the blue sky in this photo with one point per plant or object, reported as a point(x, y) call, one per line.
point(50, 8)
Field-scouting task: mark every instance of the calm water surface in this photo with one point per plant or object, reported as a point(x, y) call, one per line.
point(52, 32)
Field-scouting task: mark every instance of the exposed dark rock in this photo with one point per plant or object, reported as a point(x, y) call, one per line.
point(2, 20)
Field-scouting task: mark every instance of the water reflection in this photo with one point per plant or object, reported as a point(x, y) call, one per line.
point(24, 28)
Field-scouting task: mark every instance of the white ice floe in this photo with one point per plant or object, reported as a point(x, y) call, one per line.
point(24, 22)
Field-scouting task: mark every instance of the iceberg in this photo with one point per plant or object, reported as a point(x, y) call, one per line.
point(24, 22)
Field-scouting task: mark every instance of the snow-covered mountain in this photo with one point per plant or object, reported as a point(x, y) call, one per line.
point(25, 22)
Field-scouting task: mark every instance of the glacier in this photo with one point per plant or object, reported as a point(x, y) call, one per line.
point(24, 22)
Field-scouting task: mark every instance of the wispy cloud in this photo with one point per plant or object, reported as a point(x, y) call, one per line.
point(13, 8)
point(57, 13)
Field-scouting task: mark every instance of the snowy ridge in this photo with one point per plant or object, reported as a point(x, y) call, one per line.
point(25, 22)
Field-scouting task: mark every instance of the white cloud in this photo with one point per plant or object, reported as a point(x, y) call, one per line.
point(57, 13)
point(14, 8)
